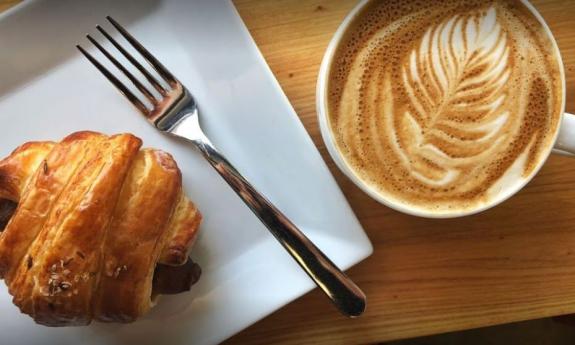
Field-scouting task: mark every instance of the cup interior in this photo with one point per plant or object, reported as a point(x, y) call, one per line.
point(345, 167)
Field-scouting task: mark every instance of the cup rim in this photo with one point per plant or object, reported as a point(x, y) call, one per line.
point(341, 161)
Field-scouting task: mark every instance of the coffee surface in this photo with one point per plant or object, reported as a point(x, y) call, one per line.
point(444, 105)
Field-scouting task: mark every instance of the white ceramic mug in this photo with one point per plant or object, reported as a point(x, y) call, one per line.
point(564, 137)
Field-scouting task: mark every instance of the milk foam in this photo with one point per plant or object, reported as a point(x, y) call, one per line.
point(442, 107)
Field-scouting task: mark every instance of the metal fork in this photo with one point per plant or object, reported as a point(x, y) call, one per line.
point(176, 113)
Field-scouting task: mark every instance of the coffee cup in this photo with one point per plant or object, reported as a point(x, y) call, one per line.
point(559, 138)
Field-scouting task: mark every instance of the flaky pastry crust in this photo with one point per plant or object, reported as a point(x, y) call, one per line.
point(95, 218)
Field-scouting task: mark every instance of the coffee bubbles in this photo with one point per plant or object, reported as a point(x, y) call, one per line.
point(444, 105)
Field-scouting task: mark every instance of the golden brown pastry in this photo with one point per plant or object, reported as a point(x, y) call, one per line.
point(100, 228)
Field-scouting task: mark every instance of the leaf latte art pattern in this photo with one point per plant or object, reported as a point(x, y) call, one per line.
point(444, 106)
point(455, 83)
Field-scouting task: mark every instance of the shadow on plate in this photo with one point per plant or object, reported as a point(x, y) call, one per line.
point(52, 28)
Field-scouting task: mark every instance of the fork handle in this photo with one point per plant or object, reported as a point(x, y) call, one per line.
point(343, 292)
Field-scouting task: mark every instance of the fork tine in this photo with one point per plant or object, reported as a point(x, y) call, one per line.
point(157, 65)
point(127, 73)
point(117, 83)
point(134, 62)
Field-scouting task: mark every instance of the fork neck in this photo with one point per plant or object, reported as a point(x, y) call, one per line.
point(188, 127)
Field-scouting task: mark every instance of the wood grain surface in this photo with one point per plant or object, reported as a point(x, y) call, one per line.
point(514, 262)
point(5, 4)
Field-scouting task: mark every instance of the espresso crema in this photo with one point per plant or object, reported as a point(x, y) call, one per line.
point(444, 105)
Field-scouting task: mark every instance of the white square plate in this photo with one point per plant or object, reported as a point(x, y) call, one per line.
point(47, 90)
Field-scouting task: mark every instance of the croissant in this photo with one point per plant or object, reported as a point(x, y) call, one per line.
point(93, 229)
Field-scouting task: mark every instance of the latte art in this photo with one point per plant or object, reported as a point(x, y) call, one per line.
point(444, 106)
point(455, 85)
